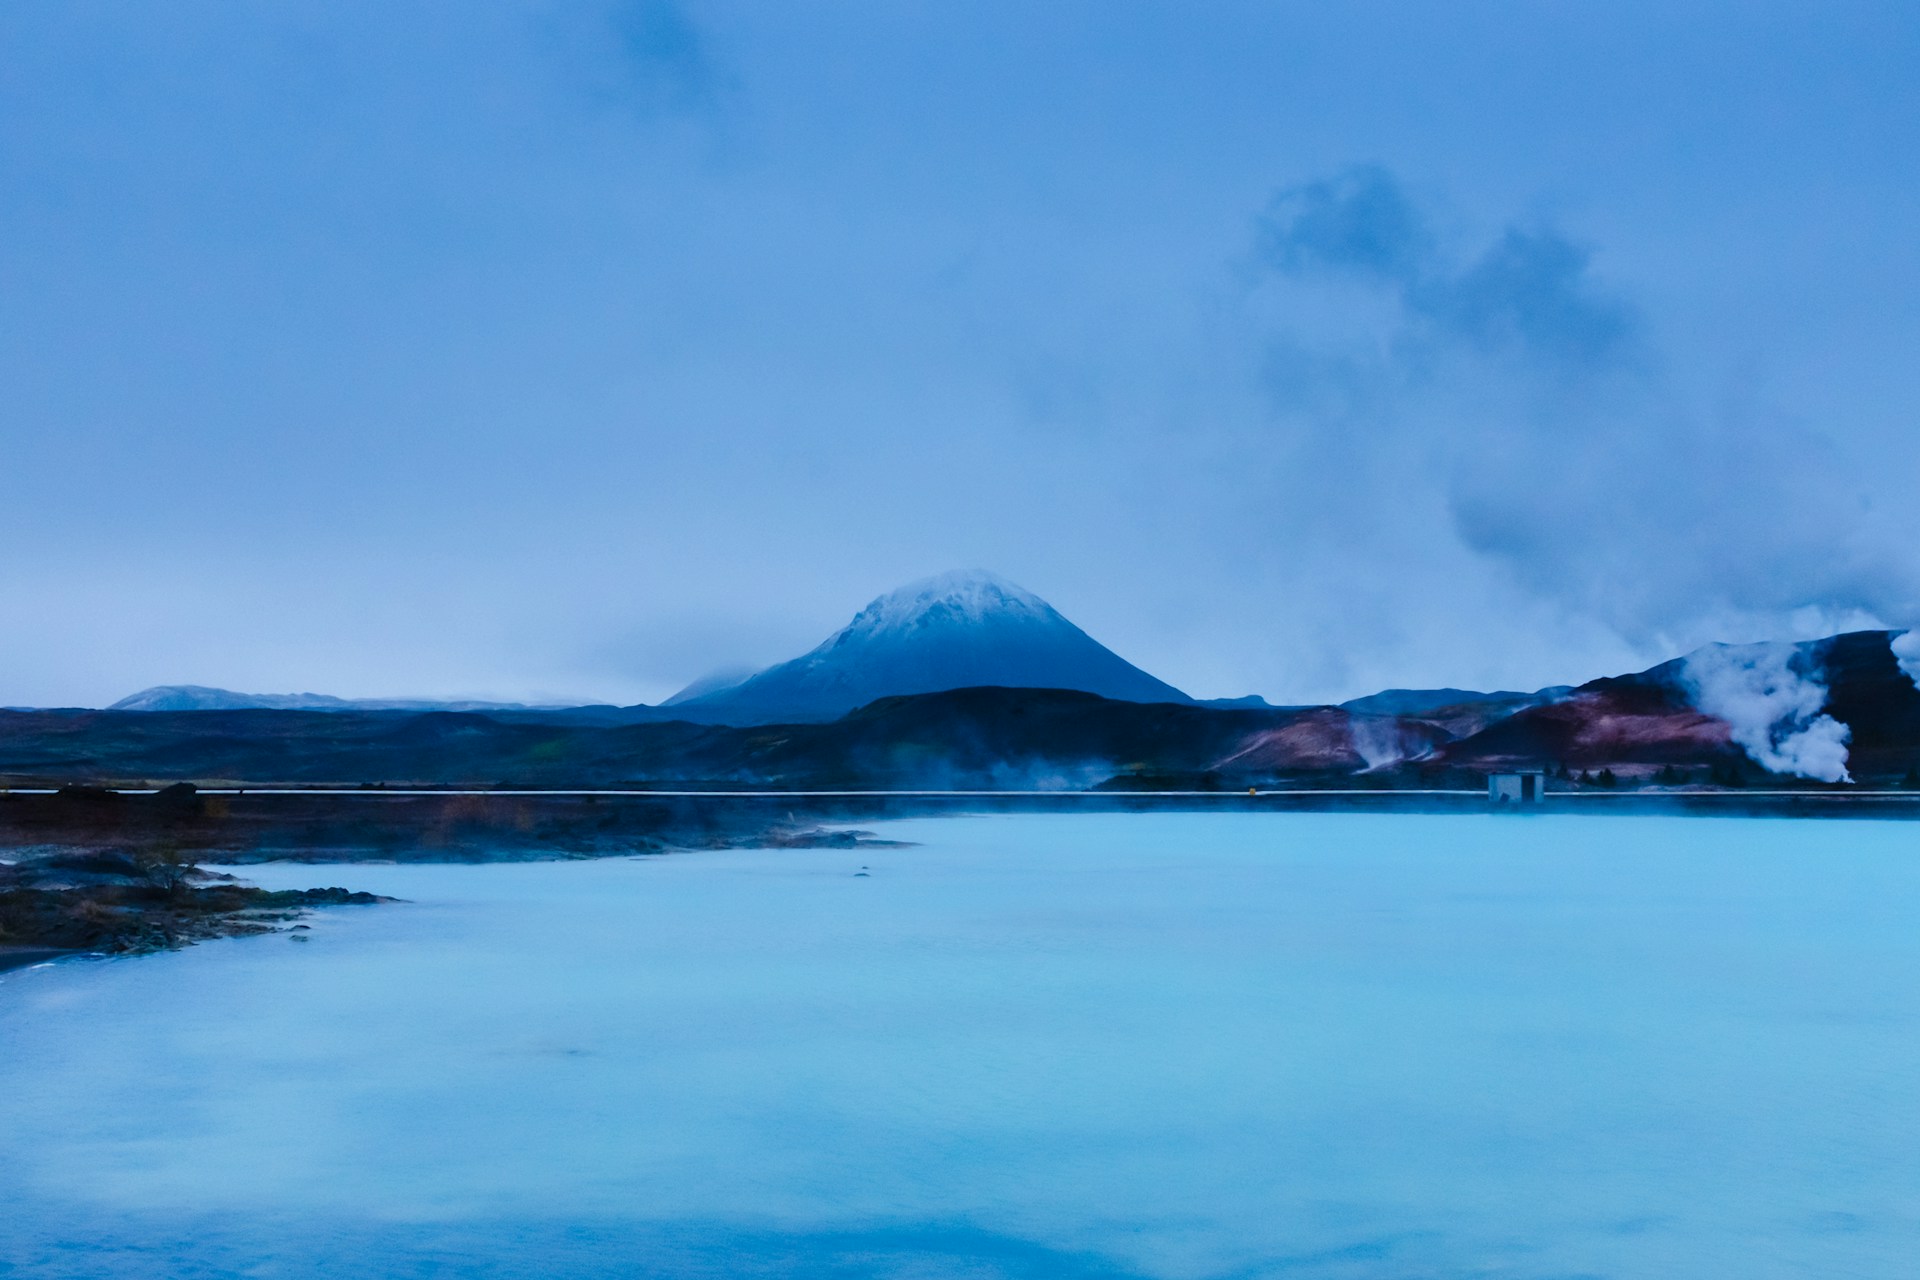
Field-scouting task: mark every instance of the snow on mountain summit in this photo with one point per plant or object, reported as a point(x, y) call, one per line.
point(963, 597)
point(952, 631)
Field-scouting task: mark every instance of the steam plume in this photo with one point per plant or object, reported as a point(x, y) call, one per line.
point(1773, 705)
point(1377, 740)
point(1906, 649)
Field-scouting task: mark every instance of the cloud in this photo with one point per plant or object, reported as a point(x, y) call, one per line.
point(1774, 706)
point(1532, 293)
point(644, 57)
point(666, 51)
point(1359, 222)
point(1518, 383)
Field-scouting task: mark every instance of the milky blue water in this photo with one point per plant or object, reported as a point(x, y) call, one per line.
point(1145, 1045)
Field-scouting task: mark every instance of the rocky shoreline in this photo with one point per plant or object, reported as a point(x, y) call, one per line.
point(100, 872)
point(106, 902)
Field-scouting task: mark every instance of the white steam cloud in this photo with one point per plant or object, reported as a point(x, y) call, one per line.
point(1906, 649)
point(1774, 709)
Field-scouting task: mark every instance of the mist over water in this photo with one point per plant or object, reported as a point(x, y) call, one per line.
point(1150, 1045)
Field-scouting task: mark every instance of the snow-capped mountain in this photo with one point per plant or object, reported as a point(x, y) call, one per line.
point(953, 631)
point(199, 697)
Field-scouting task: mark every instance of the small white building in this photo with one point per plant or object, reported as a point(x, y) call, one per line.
point(1525, 786)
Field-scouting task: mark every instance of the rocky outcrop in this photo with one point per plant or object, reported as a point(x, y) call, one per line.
point(108, 902)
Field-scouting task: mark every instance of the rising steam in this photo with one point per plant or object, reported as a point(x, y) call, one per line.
point(1906, 649)
point(1378, 740)
point(1773, 706)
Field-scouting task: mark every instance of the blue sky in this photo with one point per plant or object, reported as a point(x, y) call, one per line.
point(571, 350)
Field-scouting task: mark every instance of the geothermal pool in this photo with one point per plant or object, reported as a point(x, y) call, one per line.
point(1155, 1045)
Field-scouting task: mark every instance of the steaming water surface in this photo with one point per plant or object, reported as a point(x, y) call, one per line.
point(1145, 1045)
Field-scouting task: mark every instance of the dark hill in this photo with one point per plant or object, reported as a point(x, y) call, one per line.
point(967, 738)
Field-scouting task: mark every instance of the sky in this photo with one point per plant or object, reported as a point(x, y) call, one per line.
point(567, 351)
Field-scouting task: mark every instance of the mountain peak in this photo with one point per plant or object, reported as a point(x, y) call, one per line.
point(952, 631)
point(958, 597)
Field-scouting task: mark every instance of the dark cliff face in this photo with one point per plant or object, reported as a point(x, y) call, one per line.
point(1869, 693)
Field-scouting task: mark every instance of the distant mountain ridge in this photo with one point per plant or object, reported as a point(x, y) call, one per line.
point(200, 697)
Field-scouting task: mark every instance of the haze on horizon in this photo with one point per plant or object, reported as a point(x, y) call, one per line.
point(569, 351)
